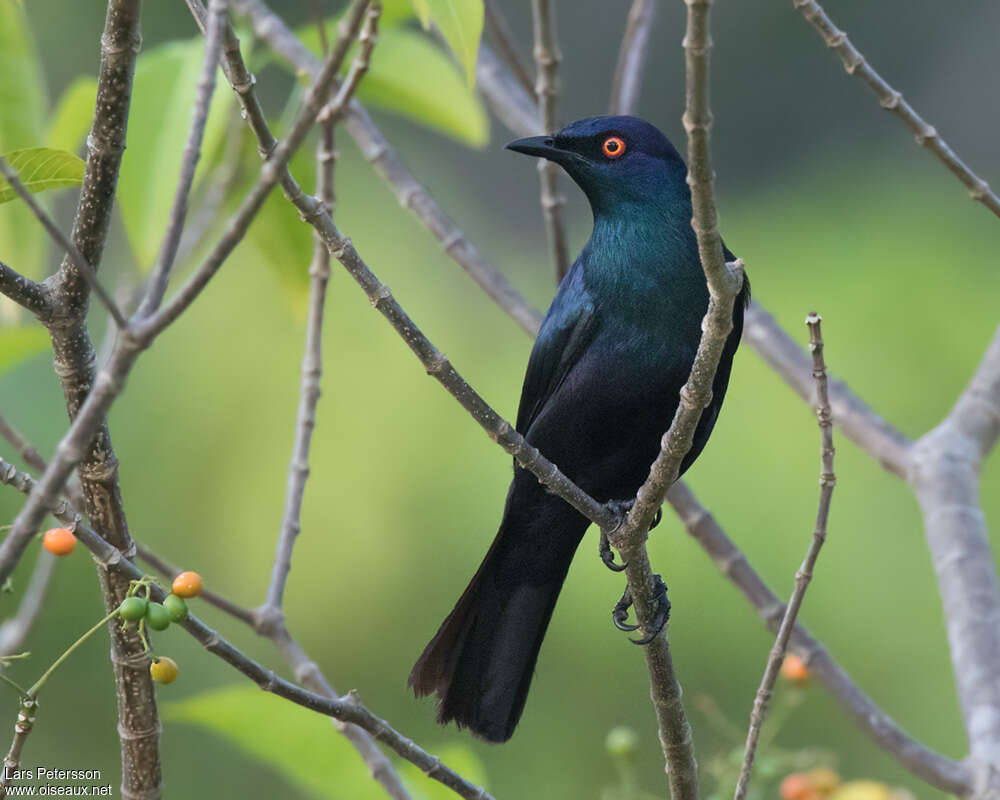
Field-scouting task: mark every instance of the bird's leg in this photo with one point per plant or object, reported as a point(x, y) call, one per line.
point(620, 613)
point(621, 508)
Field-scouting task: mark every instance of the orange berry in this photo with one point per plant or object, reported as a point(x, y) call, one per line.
point(795, 787)
point(794, 669)
point(823, 780)
point(164, 670)
point(59, 541)
point(187, 584)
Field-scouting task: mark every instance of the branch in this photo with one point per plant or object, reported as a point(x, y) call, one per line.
point(379, 153)
point(803, 576)
point(890, 99)
point(851, 414)
point(348, 709)
point(945, 473)
point(312, 360)
point(11, 176)
point(508, 100)
point(24, 291)
point(157, 285)
point(14, 631)
point(496, 24)
point(547, 59)
point(940, 771)
point(23, 726)
point(627, 85)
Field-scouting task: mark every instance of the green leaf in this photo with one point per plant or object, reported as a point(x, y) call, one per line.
point(304, 746)
point(461, 24)
point(21, 343)
point(22, 111)
point(162, 102)
point(410, 75)
point(41, 168)
point(73, 115)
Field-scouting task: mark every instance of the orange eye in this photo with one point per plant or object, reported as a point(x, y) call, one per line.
point(613, 147)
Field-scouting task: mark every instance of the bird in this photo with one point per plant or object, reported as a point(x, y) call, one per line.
point(601, 387)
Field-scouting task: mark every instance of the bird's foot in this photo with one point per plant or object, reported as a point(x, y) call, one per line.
point(608, 555)
point(619, 614)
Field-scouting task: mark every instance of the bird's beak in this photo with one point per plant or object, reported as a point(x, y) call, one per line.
point(541, 146)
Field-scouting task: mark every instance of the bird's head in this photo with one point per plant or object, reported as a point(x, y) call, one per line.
point(615, 160)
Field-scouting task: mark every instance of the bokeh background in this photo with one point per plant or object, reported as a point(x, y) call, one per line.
point(833, 208)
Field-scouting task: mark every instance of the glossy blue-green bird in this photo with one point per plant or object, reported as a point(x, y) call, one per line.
point(601, 387)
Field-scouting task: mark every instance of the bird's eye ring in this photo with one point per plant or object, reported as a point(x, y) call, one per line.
point(613, 147)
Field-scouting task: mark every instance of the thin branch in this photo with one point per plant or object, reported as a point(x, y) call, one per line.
point(25, 722)
point(496, 24)
point(507, 99)
point(547, 59)
point(347, 709)
point(60, 238)
point(205, 88)
point(803, 576)
point(312, 360)
point(977, 411)
point(627, 85)
point(890, 99)
point(24, 291)
point(377, 151)
point(171, 571)
point(851, 414)
point(15, 630)
point(938, 770)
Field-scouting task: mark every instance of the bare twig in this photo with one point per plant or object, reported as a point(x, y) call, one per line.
point(547, 59)
point(944, 473)
point(24, 291)
point(496, 24)
point(627, 84)
point(157, 285)
point(378, 152)
point(804, 574)
point(60, 238)
point(851, 414)
point(312, 360)
point(946, 774)
point(14, 631)
point(892, 100)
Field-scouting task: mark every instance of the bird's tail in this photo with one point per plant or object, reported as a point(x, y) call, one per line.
point(481, 660)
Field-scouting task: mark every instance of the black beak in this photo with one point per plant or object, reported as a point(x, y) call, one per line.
point(541, 146)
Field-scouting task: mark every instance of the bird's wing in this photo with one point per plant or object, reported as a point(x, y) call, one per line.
point(562, 339)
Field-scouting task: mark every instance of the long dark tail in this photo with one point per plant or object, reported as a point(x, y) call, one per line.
point(481, 660)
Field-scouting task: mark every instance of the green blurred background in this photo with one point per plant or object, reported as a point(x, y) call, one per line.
point(831, 206)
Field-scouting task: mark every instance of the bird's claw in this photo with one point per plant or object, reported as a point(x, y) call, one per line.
point(608, 555)
point(620, 613)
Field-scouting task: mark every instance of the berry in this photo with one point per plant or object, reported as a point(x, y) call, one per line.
point(157, 617)
point(132, 609)
point(794, 670)
point(795, 787)
point(163, 670)
point(187, 584)
point(622, 742)
point(176, 608)
point(59, 541)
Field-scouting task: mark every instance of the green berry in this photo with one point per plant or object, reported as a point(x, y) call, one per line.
point(157, 617)
point(176, 608)
point(622, 742)
point(132, 609)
